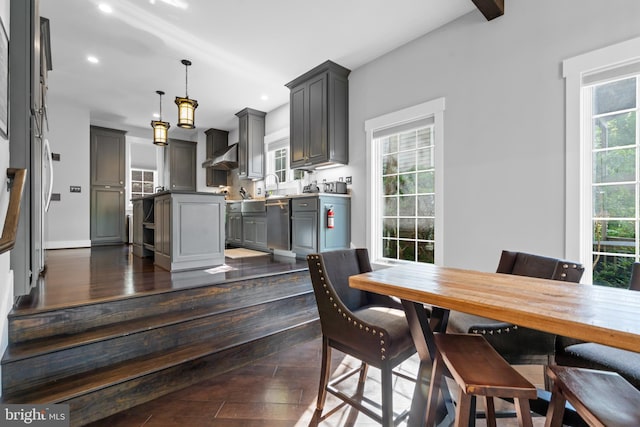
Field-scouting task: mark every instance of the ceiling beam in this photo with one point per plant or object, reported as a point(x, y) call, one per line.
point(491, 9)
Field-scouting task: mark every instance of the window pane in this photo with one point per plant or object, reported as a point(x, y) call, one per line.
point(390, 248)
point(390, 144)
point(390, 227)
point(425, 159)
point(407, 250)
point(407, 141)
point(390, 185)
point(407, 183)
point(426, 252)
point(615, 96)
point(614, 131)
point(407, 161)
point(614, 165)
point(136, 175)
point(614, 201)
point(424, 137)
point(148, 176)
point(426, 182)
point(407, 228)
point(407, 206)
point(390, 164)
point(136, 187)
point(427, 205)
point(614, 236)
point(612, 271)
point(390, 206)
point(136, 195)
point(425, 228)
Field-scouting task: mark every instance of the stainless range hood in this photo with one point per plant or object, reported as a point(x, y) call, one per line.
point(224, 159)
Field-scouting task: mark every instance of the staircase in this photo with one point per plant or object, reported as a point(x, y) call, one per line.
point(108, 356)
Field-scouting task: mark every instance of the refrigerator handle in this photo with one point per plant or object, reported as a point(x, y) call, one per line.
point(49, 160)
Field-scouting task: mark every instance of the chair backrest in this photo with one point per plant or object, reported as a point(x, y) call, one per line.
point(337, 266)
point(524, 264)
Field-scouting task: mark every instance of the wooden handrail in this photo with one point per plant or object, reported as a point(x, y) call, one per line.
point(10, 230)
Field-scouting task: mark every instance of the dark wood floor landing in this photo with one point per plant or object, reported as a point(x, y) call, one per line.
point(88, 275)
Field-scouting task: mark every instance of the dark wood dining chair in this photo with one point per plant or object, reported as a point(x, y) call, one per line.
point(573, 352)
point(518, 345)
point(367, 326)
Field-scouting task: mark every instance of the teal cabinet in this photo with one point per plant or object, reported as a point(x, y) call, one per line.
point(309, 226)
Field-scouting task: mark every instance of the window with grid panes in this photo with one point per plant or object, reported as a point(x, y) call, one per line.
point(142, 182)
point(280, 159)
point(611, 109)
point(408, 195)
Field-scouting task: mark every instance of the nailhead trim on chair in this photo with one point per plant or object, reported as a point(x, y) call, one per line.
point(563, 276)
point(344, 315)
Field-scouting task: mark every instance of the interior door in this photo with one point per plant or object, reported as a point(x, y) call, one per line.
point(107, 186)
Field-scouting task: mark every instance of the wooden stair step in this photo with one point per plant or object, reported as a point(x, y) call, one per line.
point(42, 346)
point(103, 392)
point(222, 328)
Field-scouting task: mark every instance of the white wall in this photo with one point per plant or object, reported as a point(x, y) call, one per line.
point(504, 119)
point(6, 275)
point(67, 223)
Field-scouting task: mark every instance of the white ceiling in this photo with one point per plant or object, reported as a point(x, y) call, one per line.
point(240, 50)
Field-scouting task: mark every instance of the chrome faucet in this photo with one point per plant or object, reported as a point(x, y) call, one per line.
point(277, 182)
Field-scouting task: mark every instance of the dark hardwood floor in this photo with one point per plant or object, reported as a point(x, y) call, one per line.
point(277, 391)
point(85, 275)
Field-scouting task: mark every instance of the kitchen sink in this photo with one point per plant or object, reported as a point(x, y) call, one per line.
point(249, 206)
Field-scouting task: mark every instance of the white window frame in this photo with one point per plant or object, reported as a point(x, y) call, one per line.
point(155, 180)
point(430, 109)
point(578, 208)
point(272, 142)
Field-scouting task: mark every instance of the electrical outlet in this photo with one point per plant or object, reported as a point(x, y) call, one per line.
point(75, 189)
point(348, 180)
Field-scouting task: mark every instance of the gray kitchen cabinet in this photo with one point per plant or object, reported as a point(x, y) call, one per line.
point(182, 230)
point(234, 223)
point(251, 144)
point(181, 161)
point(319, 117)
point(254, 231)
point(309, 230)
point(216, 139)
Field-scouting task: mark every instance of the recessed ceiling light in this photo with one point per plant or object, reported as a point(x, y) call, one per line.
point(264, 97)
point(92, 59)
point(105, 8)
point(156, 115)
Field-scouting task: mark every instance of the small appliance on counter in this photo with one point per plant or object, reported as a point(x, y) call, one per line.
point(335, 187)
point(311, 188)
point(244, 194)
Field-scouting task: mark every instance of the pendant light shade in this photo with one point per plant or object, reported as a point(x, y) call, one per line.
point(186, 106)
point(160, 128)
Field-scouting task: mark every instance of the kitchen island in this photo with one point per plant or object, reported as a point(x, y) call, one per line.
point(181, 230)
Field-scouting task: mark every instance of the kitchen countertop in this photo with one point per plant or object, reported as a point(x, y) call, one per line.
point(291, 196)
point(162, 193)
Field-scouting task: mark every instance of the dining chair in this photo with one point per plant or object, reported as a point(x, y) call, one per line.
point(519, 345)
point(367, 326)
point(577, 353)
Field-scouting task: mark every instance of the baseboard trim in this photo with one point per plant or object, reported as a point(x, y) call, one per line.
point(68, 244)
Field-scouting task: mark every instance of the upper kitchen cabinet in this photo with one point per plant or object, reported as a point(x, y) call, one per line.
point(217, 141)
point(181, 165)
point(319, 123)
point(251, 144)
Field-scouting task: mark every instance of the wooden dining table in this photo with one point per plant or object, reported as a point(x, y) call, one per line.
point(598, 314)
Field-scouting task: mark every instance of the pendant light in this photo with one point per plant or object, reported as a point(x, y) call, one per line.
point(186, 106)
point(160, 128)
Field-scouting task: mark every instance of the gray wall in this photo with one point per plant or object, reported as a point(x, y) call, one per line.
point(504, 119)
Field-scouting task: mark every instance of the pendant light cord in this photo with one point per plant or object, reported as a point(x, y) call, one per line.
point(186, 80)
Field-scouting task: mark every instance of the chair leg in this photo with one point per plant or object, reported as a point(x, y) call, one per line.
point(555, 413)
point(463, 410)
point(387, 395)
point(325, 372)
point(523, 412)
point(490, 412)
point(434, 390)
